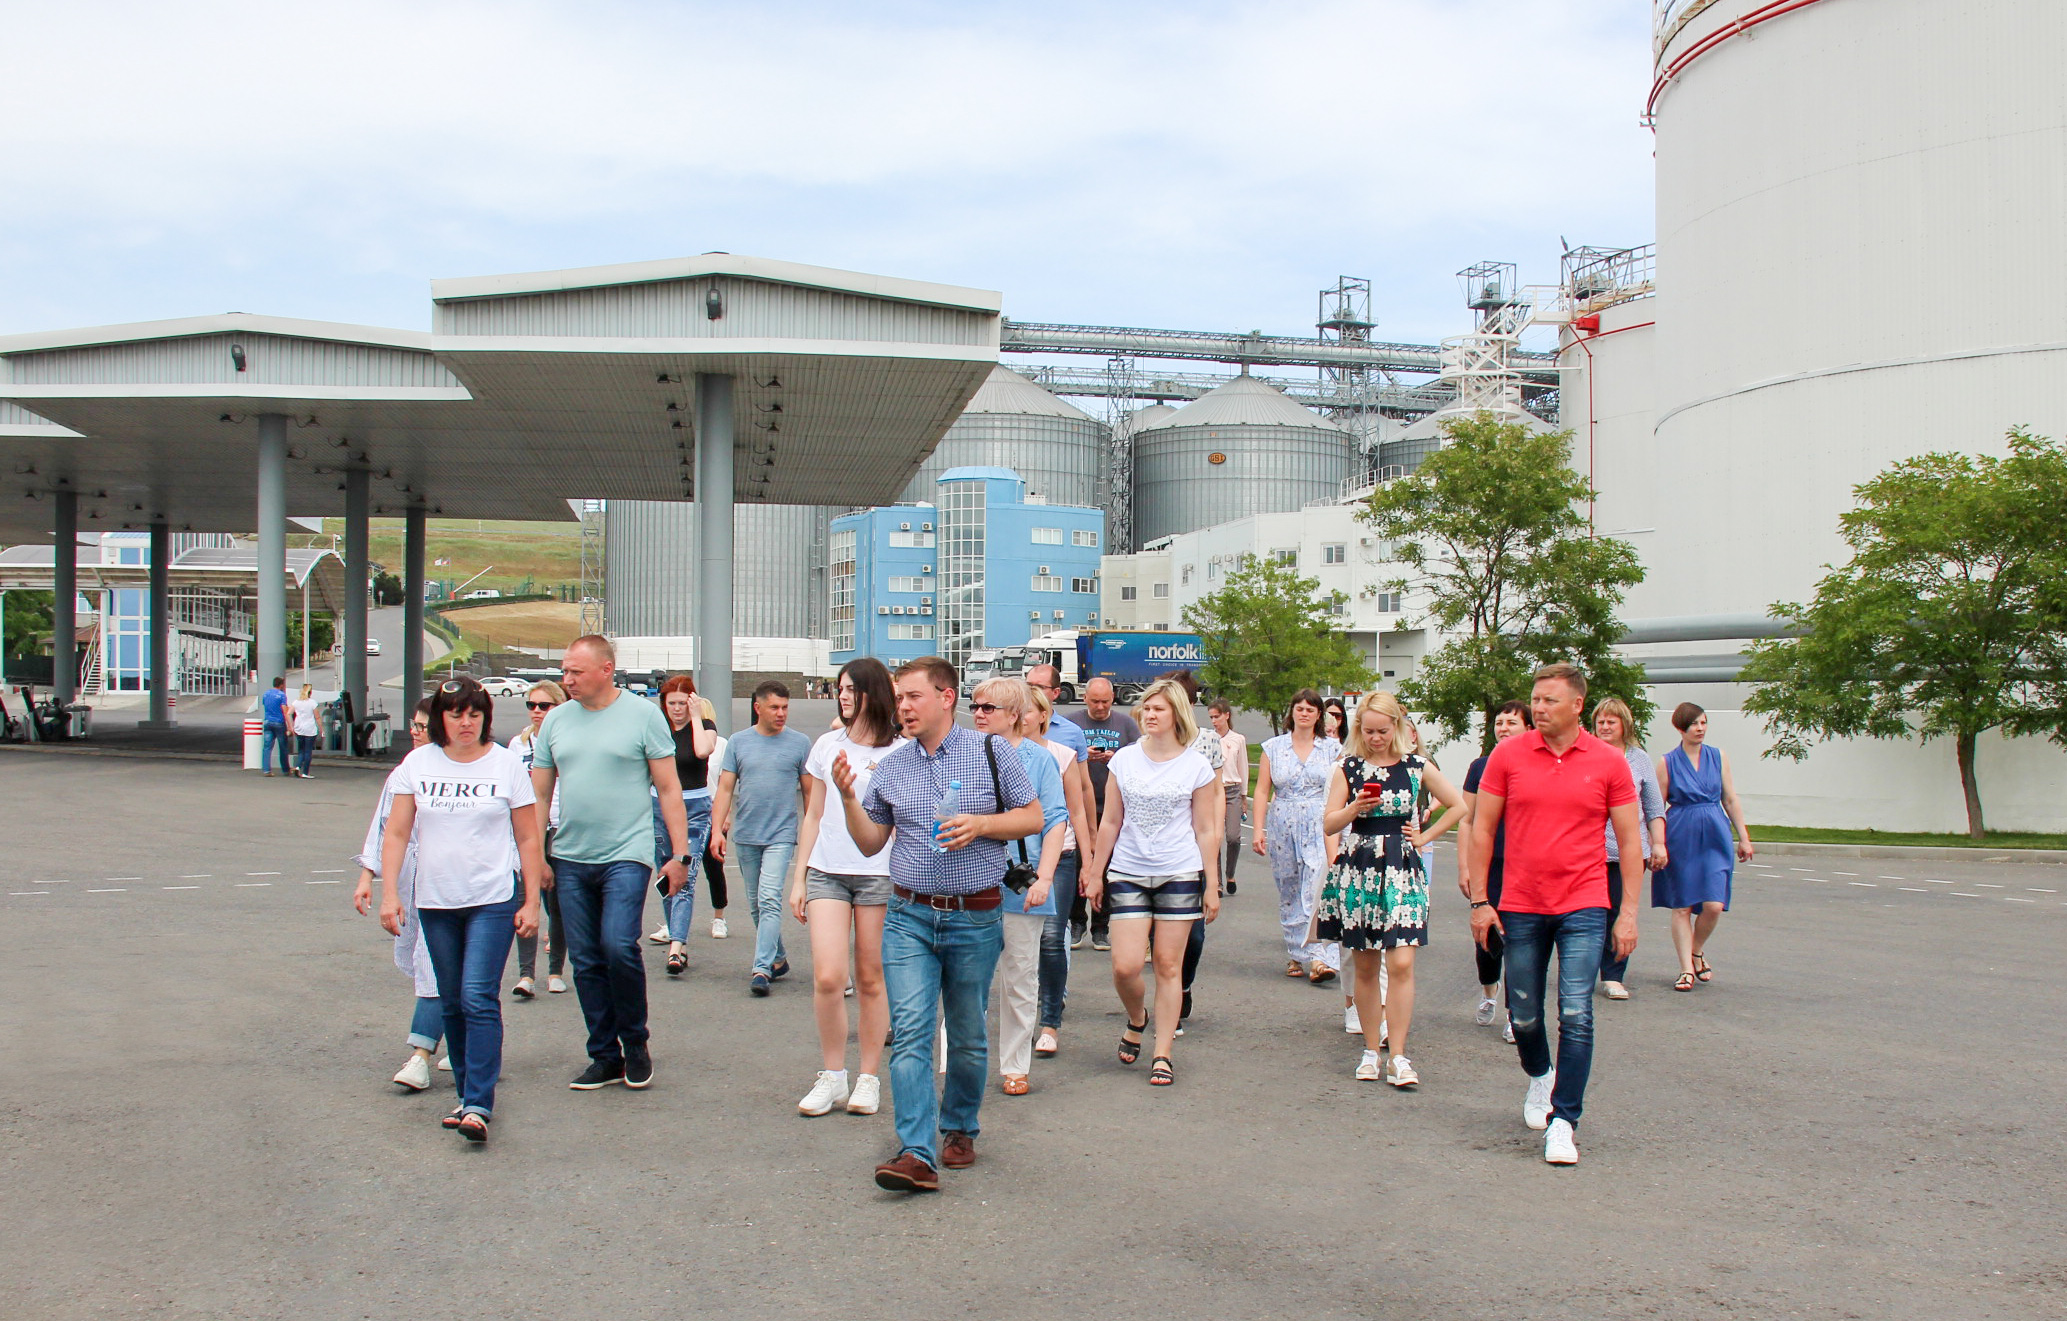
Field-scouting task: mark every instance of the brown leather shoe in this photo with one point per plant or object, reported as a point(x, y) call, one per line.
point(958, 1151)
point(907, 1174)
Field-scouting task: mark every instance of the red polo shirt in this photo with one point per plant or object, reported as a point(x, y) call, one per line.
point(1556, 818)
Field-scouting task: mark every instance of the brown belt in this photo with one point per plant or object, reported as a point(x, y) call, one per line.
point(981, 901)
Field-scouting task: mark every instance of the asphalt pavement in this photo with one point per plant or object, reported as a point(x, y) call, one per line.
point(1857, 1118)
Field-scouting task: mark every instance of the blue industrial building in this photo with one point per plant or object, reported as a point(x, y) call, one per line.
point(983, 566)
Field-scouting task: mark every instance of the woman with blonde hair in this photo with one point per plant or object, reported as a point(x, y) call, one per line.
point(1076, 798)
point(301, 714)
point(1157, 866)
point(1615, 726)
point(1375, 900)
point(543, 697)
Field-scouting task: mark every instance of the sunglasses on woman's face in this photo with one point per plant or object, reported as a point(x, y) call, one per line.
point(541, 706)
point(982, 708)
point(420, 726)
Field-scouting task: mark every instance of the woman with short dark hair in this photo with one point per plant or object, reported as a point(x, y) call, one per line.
point(1701, 809)
point(467, 805)
point(1291, 787)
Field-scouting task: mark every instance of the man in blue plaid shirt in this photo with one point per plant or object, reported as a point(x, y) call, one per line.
point(943, 933)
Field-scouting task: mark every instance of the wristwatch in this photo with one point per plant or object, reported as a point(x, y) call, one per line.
point(686, 859)
point(1482, 903)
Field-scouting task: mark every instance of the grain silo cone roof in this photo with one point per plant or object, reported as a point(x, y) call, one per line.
point(1243, 401)
point(1006, 391)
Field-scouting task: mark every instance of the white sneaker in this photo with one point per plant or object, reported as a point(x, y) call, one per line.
point(1367, 1067)
point(1560, 1145)
point(556, 985)
point(1507, 1034)
point(718, 931)
point(416, 1074)
point(1615, 990)
point(830, 1090)
point(445, 1064)
point(1488, 1010)
point(1382, 1037)
point(1400, 1073)
point(1536, 1105)
point(868, 1094)
point(849, 992)
point(1351, 1022)
point(659, 937)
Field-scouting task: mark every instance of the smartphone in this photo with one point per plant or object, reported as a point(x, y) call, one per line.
point(1369, 791)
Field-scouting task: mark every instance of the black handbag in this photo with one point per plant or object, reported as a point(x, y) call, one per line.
point(1019, 876)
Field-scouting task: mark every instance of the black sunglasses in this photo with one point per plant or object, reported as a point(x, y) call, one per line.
point(983, 708)
point(541, 706)
point(457, 685)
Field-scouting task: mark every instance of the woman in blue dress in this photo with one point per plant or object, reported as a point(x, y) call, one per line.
point(1702, 814)
point(1291, 786)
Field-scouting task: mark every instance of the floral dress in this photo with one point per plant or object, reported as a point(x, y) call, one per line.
point(1376, 896)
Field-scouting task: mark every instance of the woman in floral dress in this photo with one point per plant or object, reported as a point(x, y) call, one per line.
point(1291, 785)
point(1375, 901)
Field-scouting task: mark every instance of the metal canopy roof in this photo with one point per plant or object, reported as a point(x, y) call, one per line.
point(228, 569)
point(535, 390)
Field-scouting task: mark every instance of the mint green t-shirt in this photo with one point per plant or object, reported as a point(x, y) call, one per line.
point(599, 761)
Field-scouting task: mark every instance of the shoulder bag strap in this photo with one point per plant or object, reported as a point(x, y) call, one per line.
point(997, 788)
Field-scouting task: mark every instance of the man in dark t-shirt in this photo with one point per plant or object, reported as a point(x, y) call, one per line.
point(1106, 731)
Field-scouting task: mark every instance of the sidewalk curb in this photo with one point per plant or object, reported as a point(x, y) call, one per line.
point(147, 754)
point(1920, 853)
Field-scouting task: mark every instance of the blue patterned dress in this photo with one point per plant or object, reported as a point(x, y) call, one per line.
point(1377, 892)
point(1700, 852)
point(1294, 841)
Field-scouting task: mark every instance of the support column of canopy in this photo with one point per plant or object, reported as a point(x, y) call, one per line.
point(64, 609)
point(714, 543)
point(357, 515)
point(272, 548)
point(412, 609)
point(161, 628)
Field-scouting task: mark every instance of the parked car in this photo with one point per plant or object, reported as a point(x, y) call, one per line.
point(482, 594)
point(373, 646)
point(502, 685)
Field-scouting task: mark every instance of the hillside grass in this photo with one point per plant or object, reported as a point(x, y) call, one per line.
point(548, 554)
point(1996, 839)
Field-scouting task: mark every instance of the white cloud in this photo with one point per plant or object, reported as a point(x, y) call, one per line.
point(1194, 161)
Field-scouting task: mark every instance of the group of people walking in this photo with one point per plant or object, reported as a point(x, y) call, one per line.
point(935, 867)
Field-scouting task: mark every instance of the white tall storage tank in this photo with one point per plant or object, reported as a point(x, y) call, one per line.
point(778, 576)
point(1058, 448)
point(1605, 383)
point(1240, 449)
point(1861, 258)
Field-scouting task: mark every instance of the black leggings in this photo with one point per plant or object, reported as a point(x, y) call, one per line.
point(714, 872)
point(527, 946)
point(1489, 956)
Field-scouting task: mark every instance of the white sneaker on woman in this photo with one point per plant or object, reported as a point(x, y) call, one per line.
point(868, 1095)
point(1400, 1073)
point(1351, 1022)
point(1507, 1033)
point(1536, 1105)
point(1560, 1144)
point(1615, 990)
point(1488, 1009)
point(718, 931)
point(416, 1074)
point(1367, 1067)
point(830, 1090)
point(556, 986)
point(445, 1064)
point(659, 937)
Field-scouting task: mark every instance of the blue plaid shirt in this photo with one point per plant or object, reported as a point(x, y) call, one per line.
point(907, 788)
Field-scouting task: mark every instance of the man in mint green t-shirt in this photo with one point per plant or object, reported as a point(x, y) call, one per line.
point(608, 752)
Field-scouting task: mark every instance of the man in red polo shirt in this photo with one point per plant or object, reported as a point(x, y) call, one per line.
point(1555, 787)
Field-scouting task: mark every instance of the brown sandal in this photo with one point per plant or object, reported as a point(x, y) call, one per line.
point(1292, 968)
point(1015, 1084)
point(1684, 982)
point(1322, 974)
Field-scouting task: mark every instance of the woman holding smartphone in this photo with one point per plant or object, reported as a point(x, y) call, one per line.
point(1376, 898)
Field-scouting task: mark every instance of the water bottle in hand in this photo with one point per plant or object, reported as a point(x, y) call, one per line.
point(950, 807)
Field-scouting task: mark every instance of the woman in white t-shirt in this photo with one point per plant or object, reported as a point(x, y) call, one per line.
point(840, 893)
point(427, 1024)
point(301, 719)
point(467, 805)
point(1158, 857)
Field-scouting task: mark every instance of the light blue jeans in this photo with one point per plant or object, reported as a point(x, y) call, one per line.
point(765, 871)
point(469, 948)
point(680, 907)
point(938, 965)
point(427, 1024)
point(1577, 938)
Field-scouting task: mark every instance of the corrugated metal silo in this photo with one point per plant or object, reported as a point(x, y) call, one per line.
point(778, 575)
point(1241, 449)
point(1058, 448)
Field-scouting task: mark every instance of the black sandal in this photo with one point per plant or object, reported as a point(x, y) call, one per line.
point(1160, 1074)
point(473, 1127)
point(1130, 1051)
point(1702, 969)
point(676, 962)
point(452, 1120)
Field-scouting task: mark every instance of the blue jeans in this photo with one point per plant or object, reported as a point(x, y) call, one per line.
point(1578, 938)
point(276, 737)
point(304, 751)
point(680, 907)
point(1055, 943)
point(938, 964)
point(764, 869)
point(427, 1024)
point(469, 948)
point(602, 905)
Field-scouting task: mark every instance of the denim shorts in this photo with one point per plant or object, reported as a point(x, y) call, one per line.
point(1179, 898)
point(860, 891)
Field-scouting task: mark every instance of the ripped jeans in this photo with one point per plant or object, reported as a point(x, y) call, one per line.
point(1578, 938)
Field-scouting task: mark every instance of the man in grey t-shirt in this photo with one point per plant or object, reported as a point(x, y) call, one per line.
point(1106, 731)
point(754, 816)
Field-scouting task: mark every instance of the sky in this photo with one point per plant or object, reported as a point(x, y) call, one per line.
point(1198, 165)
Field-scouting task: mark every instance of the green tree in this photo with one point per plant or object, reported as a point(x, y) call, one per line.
point(322, 634)
point(1949, 621)
point(1269, 633)
point(1491, 531)
point(28, 616)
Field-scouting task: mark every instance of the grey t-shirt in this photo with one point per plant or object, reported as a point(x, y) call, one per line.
point(764, 799)
point(1111, 734)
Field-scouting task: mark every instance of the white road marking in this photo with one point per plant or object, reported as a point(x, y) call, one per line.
point(1803, 869)
point(1964, 894)
point(1915, 889)
point(1868, 884)
point(261, 873)
point(245, 885)
point(1817, 879)
point(117, 891)
point(122, 878)
point(197, 876)
point(322, 871)
point(322, 882)
point(1983, 885)
point(1928, 881)
point(1894, 878)
point(2040, 890)
point(2012, 899)
point(1845, 873)
point(19, 893)
point(179, 887)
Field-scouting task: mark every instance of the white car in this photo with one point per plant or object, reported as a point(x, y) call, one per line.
point(504, 686)
point(373, 646)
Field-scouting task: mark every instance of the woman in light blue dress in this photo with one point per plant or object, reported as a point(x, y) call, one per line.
point(1701, 815)
point(1291, 788)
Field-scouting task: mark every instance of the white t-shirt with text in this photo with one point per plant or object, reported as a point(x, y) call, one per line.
point(836, 853)
point(466, 852)
point(1156, 837)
